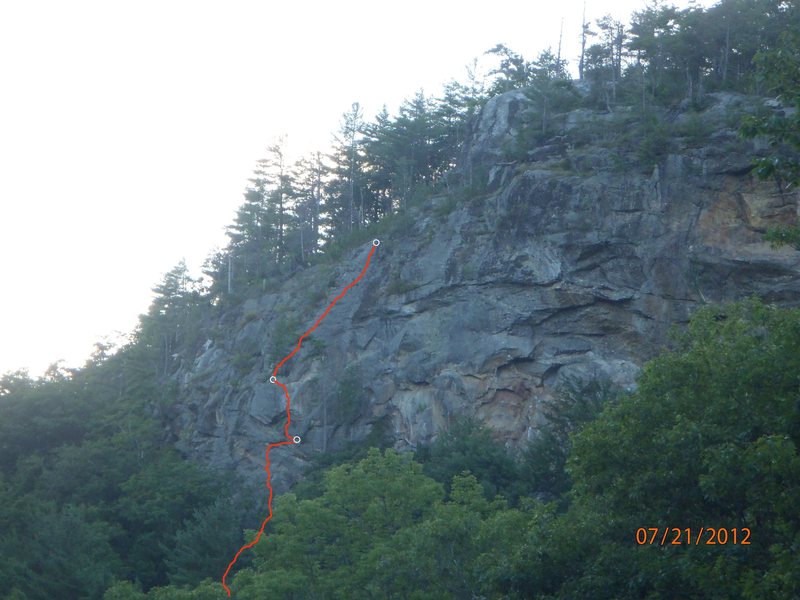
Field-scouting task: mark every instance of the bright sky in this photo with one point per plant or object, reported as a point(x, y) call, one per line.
point(128, 129)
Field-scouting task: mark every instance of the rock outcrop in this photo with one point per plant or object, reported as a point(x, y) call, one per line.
point(571, 262)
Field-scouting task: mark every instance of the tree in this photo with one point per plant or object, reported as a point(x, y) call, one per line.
point(308, 176)
point(320, 547)
point(419, 142)
point(441, 553)
point(780, 70)
point(73, 556)
point(346, 191)
point(24, 430)
point(468, 446)
point(123, 590)
point(205, 543)
point(264, 223)
point(586, 32)
point(172, 318)
point(512, 72)
point(709, 438)
point(605, 58)
point(652, 36)
point(456, 109)
point(155, 503)
point(738, 30)
point(252, 252)
point(14, 382)
point(550, 84)
point(463, 99)
point(381, 167)
point(272, 185)
point(406, 153)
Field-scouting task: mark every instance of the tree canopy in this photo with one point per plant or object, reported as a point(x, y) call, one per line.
point(95, 502)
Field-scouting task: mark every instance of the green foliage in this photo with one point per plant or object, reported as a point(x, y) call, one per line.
point(57, 552)
point(397, 224)
point(171, 326)
point(154, 504)
point(681, 53)
point(88, 490)
point(448, 204)
point(439, 557)
point(709, 439)
point(312, 484)
point(723, 385)
point(695, 129)
point(15, 382)
point(512, 71)
point(210, 537)
point(37, 417)
point(93, 503)
point(248, 352)
point(123, 590)
point(654, 142)
point(320, 547)
point(784, 235)
point(542, 466)
point(208, 590)
point(468, 446)
point(285, 334)
point(780, 72)
point(248, 318)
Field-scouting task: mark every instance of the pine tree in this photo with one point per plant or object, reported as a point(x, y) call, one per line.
point(550, 84)
point(459, 104)
point(308, 176)
point(512, 72)
point(170, 320)
point(346, 190)
point(273, 180)
point(380, 168)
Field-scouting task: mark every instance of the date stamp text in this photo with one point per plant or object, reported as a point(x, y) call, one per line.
point(702, 536)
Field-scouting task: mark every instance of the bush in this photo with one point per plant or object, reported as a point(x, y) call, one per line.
point(285, 334)
point(654, 142)
point(468, 446)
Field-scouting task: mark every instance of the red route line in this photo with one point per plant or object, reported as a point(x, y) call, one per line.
point(290, 439)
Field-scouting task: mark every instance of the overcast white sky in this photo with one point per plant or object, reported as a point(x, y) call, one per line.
point(128, 129)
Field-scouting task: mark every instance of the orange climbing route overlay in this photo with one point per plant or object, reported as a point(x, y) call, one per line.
point(289, 438)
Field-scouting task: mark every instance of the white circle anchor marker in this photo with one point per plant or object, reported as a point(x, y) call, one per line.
point(296, 439)
point(376, 242)
point(273, 379)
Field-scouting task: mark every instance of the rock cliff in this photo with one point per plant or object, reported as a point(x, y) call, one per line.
point(570, 257)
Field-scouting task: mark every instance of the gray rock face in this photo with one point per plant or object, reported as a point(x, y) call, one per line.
point(558, 271)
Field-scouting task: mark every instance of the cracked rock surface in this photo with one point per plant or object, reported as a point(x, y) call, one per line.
point(483, 310)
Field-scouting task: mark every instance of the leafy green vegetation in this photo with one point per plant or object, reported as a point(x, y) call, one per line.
point(96, 503)
point(708, 439)
point(92, 492)
point(636, 75)
point(779, 71)
point(91, 489)
point(784, 235)
point(101, 507)
point(284, 338)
